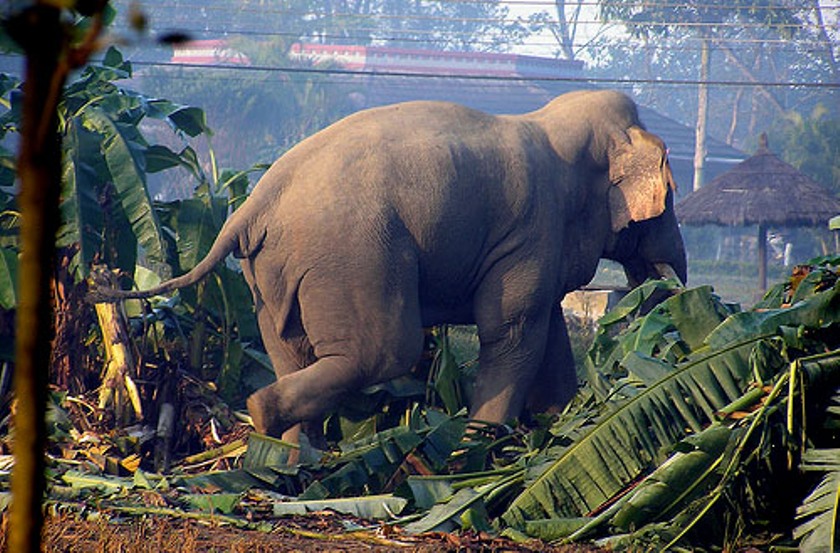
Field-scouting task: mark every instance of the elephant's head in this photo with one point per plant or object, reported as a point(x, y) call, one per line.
point(646, 238)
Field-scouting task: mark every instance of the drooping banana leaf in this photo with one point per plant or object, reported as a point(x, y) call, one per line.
point(819, 514)
point(669, 331)
point(8, 278)
point(626, 442)
point(673, 479)
point(821, 309)
point(124, 150)
point(90, 214)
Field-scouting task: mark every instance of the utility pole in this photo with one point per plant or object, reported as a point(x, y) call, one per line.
point(702, 114)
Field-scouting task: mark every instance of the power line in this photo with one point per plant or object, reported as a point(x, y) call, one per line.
point(551, 3)
point(490, 20)
point(432, 36)
point(490, 78)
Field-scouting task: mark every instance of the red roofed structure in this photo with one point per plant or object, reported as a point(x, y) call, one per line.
point(207, 52)
point(382, 59)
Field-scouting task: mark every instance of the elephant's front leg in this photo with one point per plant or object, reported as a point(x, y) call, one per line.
point(556, 381)
point(512, 350)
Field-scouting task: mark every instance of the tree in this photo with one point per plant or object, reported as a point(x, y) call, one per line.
point(811, 144)
point(754, 42)
point(40, 33)
point(463, 26)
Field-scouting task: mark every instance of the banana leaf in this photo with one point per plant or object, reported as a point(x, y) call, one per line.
point(670, 331)
point(8, 278)
point(224, 503)
point(370, 507)
point(668, 484)
point(628, 441)
point(819, 514)
point(814, 312)
point(124, 150)
point(444, 517)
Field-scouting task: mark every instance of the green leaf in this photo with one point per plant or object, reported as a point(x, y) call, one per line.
point(224, 503)
point(428, 490)
point(819, 514)
point(124, 152)
point(629, 440)
point(190, 120)
point(667, 485)
point(233, 481)
point(8, 278)
point(553, 529)
point(82, 216)
point(198, 223)
point(446, 517)
point(265, 451)
point(813, 312)
point(377, 507)
point(105, 484)
point(695, 313)
point(633, 301)
point(159, 158)
point(114, 58)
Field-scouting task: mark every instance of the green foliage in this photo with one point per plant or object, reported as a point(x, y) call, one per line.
point(110, 218)
point(820, 511)
point(811, 143)
point(699, 424)
point(654, 19)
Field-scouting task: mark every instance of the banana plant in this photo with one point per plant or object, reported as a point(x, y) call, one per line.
point(108, 216)
point(732, 378)
point(107, 209)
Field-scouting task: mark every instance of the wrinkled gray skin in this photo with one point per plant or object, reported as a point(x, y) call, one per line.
point(411, 215)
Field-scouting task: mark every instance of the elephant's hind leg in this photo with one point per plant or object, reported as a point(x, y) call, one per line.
point(364, 327)
point(287, 355)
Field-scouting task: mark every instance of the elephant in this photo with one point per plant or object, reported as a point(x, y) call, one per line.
point(422, 213)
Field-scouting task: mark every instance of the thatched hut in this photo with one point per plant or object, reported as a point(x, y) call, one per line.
point(762, 190)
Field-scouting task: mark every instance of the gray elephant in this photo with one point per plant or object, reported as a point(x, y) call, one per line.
point(411, 215)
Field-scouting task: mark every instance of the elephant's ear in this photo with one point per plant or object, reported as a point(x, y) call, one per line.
point(640, 177)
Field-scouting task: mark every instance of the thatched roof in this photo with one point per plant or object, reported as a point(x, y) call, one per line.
point(762, 189)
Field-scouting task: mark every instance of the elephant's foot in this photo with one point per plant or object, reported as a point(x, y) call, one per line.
point(265, 411)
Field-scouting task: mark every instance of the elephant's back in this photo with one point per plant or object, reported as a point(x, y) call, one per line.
point(453, 180)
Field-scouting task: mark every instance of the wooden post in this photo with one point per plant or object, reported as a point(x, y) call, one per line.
point(762, 256)
point(702, 115)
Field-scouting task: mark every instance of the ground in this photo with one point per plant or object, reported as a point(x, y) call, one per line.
point(317, 532)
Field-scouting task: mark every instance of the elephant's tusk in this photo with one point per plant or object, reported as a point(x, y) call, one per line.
point(664, 270)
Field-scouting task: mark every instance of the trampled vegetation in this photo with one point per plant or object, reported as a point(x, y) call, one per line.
point(694, 421)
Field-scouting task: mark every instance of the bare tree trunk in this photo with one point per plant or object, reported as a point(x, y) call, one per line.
point(563, 35)
point(39, 30)
point(702, 115)
point(730, 55)
point(39, 168)
point(762, 257)
point(830, 54)
point(733, 124)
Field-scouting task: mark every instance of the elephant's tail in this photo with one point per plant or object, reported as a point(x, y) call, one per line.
point(227, 242)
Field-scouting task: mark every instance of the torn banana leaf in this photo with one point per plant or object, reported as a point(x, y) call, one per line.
point(379, 507)
point(681, 475)
point(224, 503)
point(819, 514)
point(632, 438)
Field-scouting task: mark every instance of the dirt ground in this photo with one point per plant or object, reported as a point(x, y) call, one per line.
point(318, 532)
